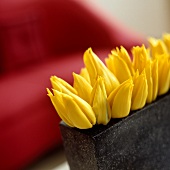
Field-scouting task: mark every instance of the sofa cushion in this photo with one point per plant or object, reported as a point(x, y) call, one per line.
point(21, 34)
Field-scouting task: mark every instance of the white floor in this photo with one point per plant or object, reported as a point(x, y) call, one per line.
point(63, 166)
point(52, 161)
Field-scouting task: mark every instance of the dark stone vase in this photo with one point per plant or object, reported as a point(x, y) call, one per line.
point(139, 141)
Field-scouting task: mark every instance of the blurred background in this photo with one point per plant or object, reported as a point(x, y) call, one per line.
point(30, 51)
point(150, 17)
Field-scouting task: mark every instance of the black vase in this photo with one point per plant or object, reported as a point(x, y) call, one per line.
point(139, 141)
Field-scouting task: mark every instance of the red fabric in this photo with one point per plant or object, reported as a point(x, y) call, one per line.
point(29, 123)
point(38, 39)
point(33, 29)
point(23, 37)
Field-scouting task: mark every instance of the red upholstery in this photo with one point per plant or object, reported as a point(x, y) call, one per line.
point(40, 38)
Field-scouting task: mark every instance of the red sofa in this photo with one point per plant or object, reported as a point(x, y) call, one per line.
point(40, 38)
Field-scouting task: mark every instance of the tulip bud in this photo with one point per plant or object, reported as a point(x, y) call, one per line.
point(96, 67)
point(73, 110)
point(166, 40)
point(140, 91)
point(155, 78)
point(148, 70)
point(118, 67)
point(76, 114)
point(125, 56)
point(82, 87)
point(140, 57)
point(82, 104)
point(100, 103)
point(120, 99)
point(163, 74)
point(157, 47)
point(61, 85)
point(84, 73)
point(59, 107)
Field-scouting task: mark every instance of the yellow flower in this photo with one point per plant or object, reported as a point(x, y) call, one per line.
point(125, 56)
point(96, 67)
point(166, 40)
point(61, 85)
point(151, 70)
point(163, 74)
point(140, 58)
point(157, 47)
point(148, 70)
point(118, 65)
point(140, 91)
point(120, 99)
point(81, 117)
point(82, 87)
point(73, 110)
point(60, 107)
point(155, 78)
point(84, 73)
point(100, 103)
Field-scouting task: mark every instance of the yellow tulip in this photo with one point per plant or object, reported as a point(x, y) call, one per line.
point(73, 110)
point(85, 107)
point(120, 99)
point(118, 67)
point(100, 103)
point(155, 78)
point(60, 107)
point(84, 73)
point(140, 91)
point(148, 70)
point(82, 87)
point(76, 114)
point(164, 74)
point(60, 85)
point(157, 47)
point(125, 56)
point(96, 67)
point(140, 58)
point(166, 40)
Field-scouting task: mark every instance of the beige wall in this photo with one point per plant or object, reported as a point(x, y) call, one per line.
point(150, 17)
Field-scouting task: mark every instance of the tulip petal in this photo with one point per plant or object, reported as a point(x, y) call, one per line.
point(121, 99)
point(58, 84)
point(121, 70)
point(59, 107)
point(148, 70)
point(157, 47)
point(100, 103)
point(84, 73)
point(84, 106)
point(75, 114)
point(166, 40)
point(82, 87)
point(140, 91)
point(140, 57)
point(155, 78)
point(164, 75)
point(123, 54)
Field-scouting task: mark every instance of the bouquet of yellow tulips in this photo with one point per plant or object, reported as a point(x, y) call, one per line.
point(112, 89)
